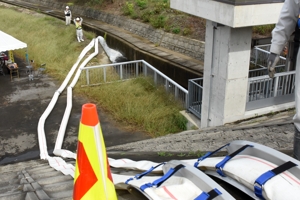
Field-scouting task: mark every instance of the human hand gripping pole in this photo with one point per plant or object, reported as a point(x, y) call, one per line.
point(272, 61)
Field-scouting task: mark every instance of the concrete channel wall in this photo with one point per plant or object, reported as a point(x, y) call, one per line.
point(189, 47)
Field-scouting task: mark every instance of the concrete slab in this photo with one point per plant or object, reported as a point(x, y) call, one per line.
point(231, 15)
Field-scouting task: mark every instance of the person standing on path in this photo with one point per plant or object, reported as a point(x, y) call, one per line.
point(284, 28)
point(78, 25)
point(68, 15)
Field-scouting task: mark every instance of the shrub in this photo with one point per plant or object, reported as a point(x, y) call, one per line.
point(167, 28)
point(158, 21)
point(262, 30)
point(186, 31)
point(134, 15)
point(128, 8)
point(142, 4)
point(176, 30)
point(146, 16)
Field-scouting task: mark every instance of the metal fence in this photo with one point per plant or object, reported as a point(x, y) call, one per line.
point(263, 91)
point(260, 54)
point(195, 88)
point(261, 71)
point(101, 74)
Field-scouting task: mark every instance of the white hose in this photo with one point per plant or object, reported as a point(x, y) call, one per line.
point(57, 162)
point(61, 133)
point(41, 124)
point(111, 53)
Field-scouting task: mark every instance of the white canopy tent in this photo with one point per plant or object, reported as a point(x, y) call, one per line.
point(9, 43)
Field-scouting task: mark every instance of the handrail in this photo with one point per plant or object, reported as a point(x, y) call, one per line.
point(139, 61)
point(267, 76)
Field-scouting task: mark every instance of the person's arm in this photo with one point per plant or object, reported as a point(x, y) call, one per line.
point(285, 25)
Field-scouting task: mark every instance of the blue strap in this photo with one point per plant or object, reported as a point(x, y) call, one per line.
point(162, 179)
point(138, 176)
point(262, 179)
point(208, 196)
point(208, 154)
point(220, 165)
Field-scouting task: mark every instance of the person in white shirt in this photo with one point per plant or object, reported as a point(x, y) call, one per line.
point(68, 15)
point(78, 25)
point(282, 32)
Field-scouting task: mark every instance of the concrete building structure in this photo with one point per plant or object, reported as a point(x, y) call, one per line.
point(227, 55)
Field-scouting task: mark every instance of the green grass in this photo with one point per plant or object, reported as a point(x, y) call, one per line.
point(155, 12)
point(263, 30)
point(137, 103)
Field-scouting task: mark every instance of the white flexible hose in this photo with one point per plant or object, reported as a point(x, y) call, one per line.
point(61, 133)
point(111, 53)
point(41, 124)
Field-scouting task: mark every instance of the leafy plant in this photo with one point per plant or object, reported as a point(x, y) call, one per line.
point(186, 31)
point(161, 153)
point(196, 153)
point(128, 8)
point(262, 30)
point(164, 154)
point(158, 21)
point(176, 30)
point(142, 4)
point(146, 16)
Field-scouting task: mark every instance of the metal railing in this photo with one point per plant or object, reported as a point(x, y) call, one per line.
point(263, 91)
point(101, 74)
point(195, 88)
point(260, 54)
point(261, 71)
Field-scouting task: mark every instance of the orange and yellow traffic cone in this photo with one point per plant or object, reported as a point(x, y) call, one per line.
point(93, 178)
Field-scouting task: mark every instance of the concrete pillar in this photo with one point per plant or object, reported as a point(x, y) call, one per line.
point(226, 66)
point(227, 53)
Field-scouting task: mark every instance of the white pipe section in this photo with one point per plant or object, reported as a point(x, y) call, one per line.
point(60, 165)
point(56, 162)
point(41, 132)
point(111, 53)
point(61, 133)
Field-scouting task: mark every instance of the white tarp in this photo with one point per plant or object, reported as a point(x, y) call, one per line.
point(7, 42)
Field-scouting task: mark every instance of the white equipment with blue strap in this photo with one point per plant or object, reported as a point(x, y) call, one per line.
point(259, 169)
point(179, 181)
point(255, 169)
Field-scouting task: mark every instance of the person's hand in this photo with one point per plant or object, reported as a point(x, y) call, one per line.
point(271, 63)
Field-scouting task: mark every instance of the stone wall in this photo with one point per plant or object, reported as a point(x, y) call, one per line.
point(190, 47)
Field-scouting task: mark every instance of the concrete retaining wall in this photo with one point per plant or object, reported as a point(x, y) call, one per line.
point(190, 47)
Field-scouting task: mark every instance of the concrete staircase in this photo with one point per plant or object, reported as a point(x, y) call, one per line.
point(34, 180)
